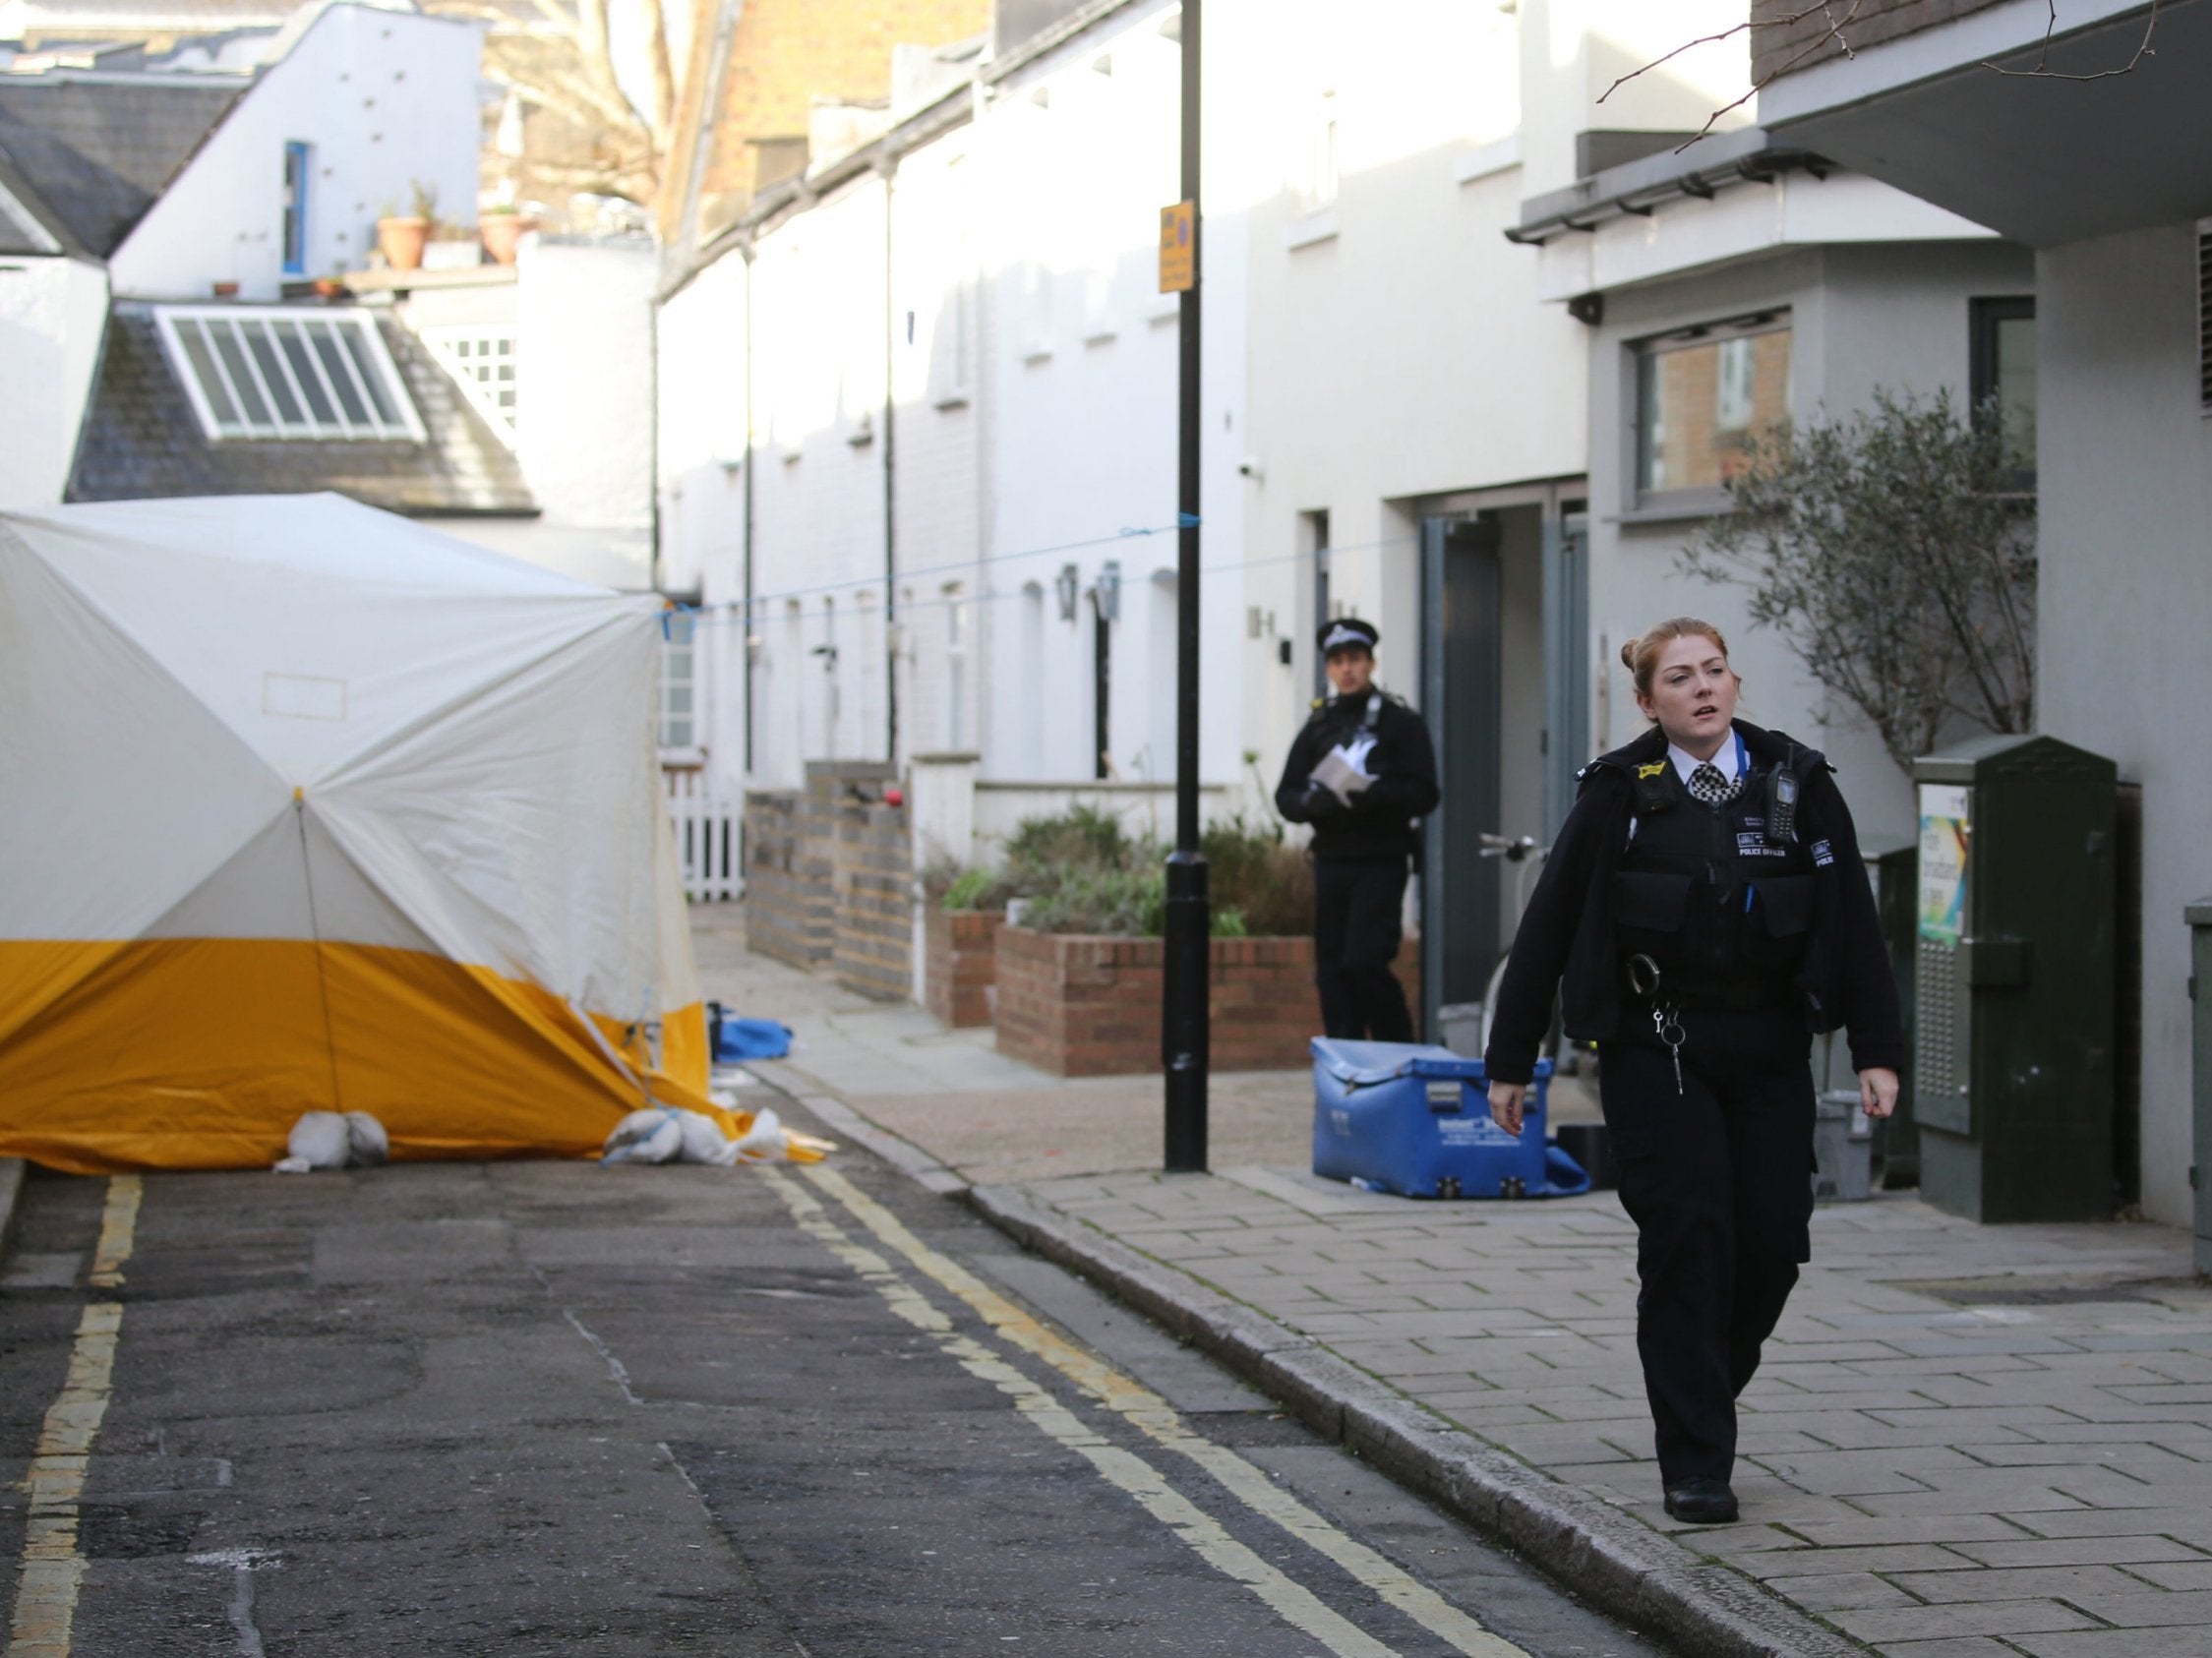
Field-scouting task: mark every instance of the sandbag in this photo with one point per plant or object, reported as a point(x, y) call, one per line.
point(328, 1140)
point(664, 1134)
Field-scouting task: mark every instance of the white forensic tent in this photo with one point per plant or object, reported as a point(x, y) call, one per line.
point(309, 808)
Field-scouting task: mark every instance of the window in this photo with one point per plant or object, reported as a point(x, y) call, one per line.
point(482, 360)
point(1315, 187)
point(273, 372)
point(295, 209)
point(956, 669)
point(2003, 373)
point(1314, 532)
point(1037, 285)
point(680, 680)
point(1026, 749)
point(1703, 398)
point(833, 705)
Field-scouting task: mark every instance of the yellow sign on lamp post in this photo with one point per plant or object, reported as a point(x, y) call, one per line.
point(1178, 248)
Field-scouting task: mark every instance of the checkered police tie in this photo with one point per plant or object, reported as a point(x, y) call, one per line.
point(1707, 785)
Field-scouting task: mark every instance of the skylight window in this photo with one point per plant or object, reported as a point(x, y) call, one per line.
point(481, 359)
point(287, 372)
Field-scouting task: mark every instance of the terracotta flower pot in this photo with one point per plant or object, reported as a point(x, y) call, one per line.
point(503, 233)
point(226, 291)
point(329, 288)
point(401, 240)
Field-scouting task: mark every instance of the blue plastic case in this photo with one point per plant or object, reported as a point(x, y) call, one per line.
point(1415, 1120)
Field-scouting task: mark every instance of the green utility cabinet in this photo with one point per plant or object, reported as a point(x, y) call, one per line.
point(2014, 980)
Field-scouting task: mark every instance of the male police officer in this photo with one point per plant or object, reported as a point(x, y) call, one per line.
point(1361, 772)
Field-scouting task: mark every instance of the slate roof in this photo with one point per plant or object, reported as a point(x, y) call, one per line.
point(99, 152)
point(142, 439)
point(24, 215)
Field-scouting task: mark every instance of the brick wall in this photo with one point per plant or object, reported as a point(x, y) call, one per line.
point(783, 54)
point(827, 887)
point(960, 966)
point(789, 909)
point(1774, 44)
point(1081, 1006)
point(874, 883)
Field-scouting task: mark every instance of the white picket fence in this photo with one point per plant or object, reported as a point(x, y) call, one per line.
point(707, 838)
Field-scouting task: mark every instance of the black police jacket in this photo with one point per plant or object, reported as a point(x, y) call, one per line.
point(1716, 900)
point(1379, 823)
point(1569, 936)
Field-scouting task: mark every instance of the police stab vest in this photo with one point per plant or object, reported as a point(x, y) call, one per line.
point(1719, 898)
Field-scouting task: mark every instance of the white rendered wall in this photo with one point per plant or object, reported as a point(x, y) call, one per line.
point(1399, 350)
point(700, 338)
point(584, 403)
point(1080, 359)
point(1572, 51)
point(2124, 471)
point(935, 361)
point(1861, 317)
point(819, 550)
point(383, 97)
point(52, 311)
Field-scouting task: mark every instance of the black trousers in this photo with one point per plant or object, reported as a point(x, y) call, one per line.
point(1717, 1179)
point(1356, 906)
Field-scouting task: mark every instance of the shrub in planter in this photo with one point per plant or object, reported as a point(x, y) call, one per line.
point(1082, 872)
point(1253, 870)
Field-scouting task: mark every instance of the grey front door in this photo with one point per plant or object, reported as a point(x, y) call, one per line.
point(1462, 582)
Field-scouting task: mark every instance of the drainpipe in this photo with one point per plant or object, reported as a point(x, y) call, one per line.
point(889, 170)
point(745, 644)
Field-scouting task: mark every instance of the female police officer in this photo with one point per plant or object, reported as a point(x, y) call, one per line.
point(1703, 913)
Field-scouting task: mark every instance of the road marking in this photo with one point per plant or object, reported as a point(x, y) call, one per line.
point(119, 1230)
point(1155, 1418)
point(52, 1570)
point(1295, 1604)
point(1160, 1421)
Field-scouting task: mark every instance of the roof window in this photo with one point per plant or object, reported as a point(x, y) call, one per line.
point(287, 372)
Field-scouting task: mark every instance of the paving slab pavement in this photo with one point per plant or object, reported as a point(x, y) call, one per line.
point(1965, 1441)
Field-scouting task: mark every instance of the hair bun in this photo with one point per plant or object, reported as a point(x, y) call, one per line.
point(1628, 653)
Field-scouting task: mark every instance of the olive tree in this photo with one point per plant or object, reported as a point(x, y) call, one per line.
point(1894, 550)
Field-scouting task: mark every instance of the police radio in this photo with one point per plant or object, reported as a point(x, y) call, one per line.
point(1781, 802)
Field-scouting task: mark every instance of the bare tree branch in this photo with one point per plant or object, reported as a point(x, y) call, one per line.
point(558, 57)
point(664, 77)
point(2044, 72)
point(1826, 8)
point(1834, 33)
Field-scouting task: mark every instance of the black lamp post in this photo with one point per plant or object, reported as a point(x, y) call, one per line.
point(1184, 1025)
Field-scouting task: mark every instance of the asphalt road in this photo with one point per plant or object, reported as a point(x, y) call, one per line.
point(552, 1408)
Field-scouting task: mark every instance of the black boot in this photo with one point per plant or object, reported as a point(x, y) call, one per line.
point(1701, 1501)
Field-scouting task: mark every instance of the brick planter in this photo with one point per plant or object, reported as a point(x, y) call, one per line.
point(1083, 1006)
point(961, 963)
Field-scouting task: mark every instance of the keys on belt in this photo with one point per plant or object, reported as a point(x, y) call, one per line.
point(1666, 1019)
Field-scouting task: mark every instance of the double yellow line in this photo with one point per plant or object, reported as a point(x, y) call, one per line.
point(53, 1569)
point(1143, 1409)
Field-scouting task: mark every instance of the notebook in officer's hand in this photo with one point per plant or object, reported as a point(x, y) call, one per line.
point(1343, 771)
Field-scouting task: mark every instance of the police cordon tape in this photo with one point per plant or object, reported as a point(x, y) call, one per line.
point(724, 612)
